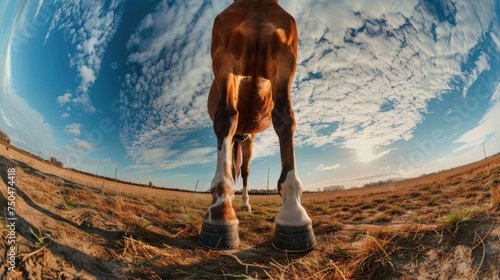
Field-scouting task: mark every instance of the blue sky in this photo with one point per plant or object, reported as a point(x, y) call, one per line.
point(383, 89)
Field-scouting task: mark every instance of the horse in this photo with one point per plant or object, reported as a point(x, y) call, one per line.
point(254, 53)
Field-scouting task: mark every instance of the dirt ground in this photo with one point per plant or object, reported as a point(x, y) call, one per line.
point(69, 225)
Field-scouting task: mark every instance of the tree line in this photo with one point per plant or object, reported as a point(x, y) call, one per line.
point(4, 137)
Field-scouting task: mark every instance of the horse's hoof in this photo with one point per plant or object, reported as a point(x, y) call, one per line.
point(219, 237)
point(293, 239)
point(246, 208)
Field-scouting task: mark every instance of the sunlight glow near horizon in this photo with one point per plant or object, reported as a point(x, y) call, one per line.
point(365, 153)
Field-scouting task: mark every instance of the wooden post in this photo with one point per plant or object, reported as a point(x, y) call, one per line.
point(196, 185)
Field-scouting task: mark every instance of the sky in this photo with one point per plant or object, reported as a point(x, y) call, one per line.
point(383, 88)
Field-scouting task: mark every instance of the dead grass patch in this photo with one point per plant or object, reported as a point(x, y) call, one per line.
point(373, 260)
point(328, 226)
point(395, 211)
point(495, 196)
point(383, 218)
point(358, 217)
point(141, 256)
point(303, 268)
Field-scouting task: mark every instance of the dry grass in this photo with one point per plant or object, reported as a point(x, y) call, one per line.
point(494, 184)
point(367, 233)
point(495, 197)
point(373, 260)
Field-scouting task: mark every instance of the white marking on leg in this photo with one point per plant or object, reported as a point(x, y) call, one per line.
point(223, 171)
point(291, 212)
point(218, 202)
point(245, 198)
point(223, 175)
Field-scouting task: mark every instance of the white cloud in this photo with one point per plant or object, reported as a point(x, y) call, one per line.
point(39, 7)
point(65, 115)
point(89, 45)
point(266, 144)
point(6, 119)
point(486, 131)
point(161, 159)
point(63, 99)
point(322, 167)
point(88, 27)
point(366, 72)
point(378, 68)
point(495, 40)
point(82, 147)
point(84, 100)
point(88, 77)
point(482, 64)
point(74, 129)
point(154, 154)
point(25, 126)
point(469, 146)
point(165, 97)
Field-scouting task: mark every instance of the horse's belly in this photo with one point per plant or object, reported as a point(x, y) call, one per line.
point(253, 125)
point(254, 106)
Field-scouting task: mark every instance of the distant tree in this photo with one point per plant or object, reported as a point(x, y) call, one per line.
point(55, 161)
point(150, 184)
point(333, 188)
point(381, 182)
point(4, 137)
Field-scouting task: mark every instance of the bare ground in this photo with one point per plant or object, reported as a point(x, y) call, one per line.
point(74, 226)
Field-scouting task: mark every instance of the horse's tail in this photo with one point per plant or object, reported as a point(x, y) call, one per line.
point(237, 154)
point(237, 159)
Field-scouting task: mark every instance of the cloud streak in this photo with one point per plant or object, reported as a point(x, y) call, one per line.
point(487, 129)
point(25, 126)
point(322, 167)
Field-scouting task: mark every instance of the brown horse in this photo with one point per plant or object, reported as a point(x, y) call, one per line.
point(254, 52)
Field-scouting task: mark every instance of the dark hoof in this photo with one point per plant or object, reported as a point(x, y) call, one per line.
point(219, 237)
point(293, 239)
point(246, 208)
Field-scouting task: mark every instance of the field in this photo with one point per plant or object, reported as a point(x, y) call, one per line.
point(74, 226)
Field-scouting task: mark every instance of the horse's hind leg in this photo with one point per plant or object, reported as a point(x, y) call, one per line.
point(247, 147)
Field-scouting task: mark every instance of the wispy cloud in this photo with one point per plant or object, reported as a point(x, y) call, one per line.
point(487, 129)
point(22, 123)
point(322, 167)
